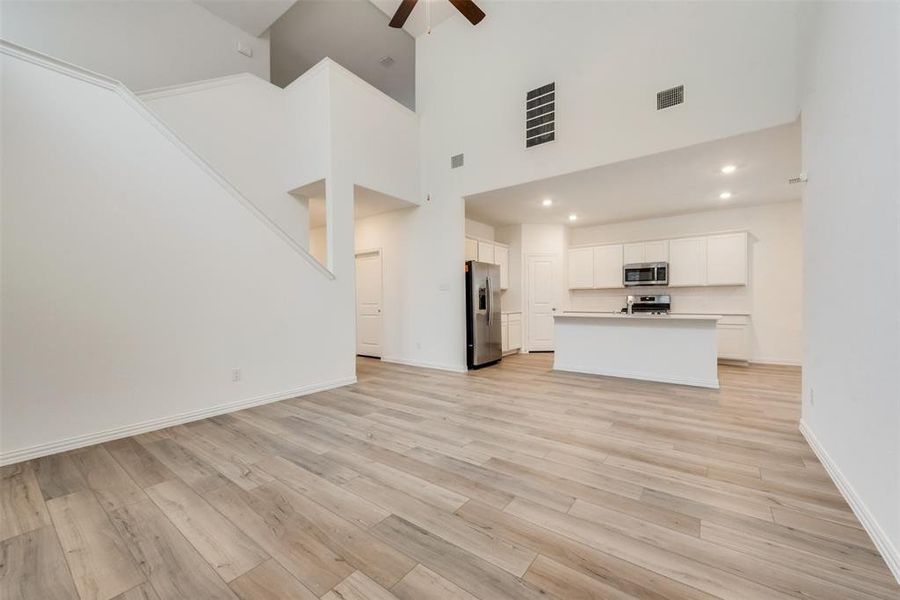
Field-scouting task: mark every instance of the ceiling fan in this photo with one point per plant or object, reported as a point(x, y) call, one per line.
point(468, 9)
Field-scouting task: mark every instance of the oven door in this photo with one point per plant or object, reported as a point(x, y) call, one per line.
point(639, 275)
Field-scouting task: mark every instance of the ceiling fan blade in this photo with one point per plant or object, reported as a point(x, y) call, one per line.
point(469, 10)
point(402, 13)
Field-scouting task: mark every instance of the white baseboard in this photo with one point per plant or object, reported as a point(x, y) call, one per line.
point(425, 365)
point(879, 537)
point(776, 362)
point(704, 383)
point(14, 456)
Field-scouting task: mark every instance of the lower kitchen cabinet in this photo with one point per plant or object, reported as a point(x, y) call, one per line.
point(733, 337)
point(511, 331)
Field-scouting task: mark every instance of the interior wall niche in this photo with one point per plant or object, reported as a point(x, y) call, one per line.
point(314, 197)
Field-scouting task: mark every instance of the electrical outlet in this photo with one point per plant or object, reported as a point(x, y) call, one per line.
point(418, 345)
point(812, 397)
point(236, 375)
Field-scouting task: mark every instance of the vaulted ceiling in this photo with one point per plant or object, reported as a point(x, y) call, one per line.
point(253, 16)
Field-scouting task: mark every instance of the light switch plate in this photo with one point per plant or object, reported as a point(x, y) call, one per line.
point(244, 49)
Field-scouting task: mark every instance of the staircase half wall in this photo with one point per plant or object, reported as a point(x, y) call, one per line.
point(140, 289)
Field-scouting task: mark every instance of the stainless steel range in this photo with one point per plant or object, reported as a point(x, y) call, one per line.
point(653, 305)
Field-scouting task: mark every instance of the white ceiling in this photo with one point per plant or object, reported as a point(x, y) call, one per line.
point(680, 181)
point(253, 16)
point(416, 24)
point(366, 202)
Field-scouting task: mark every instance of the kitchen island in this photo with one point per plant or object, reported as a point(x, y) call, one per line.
point(667, 348)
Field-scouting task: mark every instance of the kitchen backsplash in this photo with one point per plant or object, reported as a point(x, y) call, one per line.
point(706, 300)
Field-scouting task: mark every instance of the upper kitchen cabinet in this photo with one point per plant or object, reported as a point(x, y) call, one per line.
point(643, 252)
point(486, 252)
point(581, 268)
point(595, 268)
point(608, 266)
point(471, 249)
point(726, 259)
point(501, 258)
point(687, 262)
point(490, 252)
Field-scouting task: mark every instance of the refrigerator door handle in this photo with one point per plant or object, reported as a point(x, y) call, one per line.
point(487, 283)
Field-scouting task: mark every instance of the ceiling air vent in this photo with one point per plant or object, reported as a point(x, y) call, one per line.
point(457, 160)
point(540, 115)
point(670, 97)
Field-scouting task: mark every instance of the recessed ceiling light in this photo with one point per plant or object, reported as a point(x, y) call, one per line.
point(573, 217)
point(547, 202)
point(729, 169)
point(725, 195)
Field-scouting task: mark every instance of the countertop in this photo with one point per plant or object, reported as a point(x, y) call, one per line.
point(612, 315)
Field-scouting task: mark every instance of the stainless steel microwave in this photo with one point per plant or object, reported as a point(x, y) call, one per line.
point(646, 274)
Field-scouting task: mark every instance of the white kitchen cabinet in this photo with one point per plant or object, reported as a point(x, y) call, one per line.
point(733, 338)
point(581, 268)
point(511, 331)
point(657, 251)
point(633, 253)
point(471, 249)
point(501, 258)
point(641, 252)
point(608, 266)
point(726, 259)
point(687, 262)
point(485, 252)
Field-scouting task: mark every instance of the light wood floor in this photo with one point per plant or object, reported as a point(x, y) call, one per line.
point(514, 482)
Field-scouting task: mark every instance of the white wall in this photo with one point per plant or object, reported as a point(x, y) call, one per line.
point(239, 124)
point(156, 277)
point(737, 61)
point(851, 356)
point(318, 244)
point(144, 44)
point(480, 230)
point(773, 296)
point(511, 298)
point(133, 282)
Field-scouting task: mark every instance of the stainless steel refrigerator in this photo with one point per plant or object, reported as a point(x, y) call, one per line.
point(483, 336)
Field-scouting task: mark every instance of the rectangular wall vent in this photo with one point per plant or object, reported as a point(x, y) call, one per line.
point(457, 160)
point(540, 115)
point(670, 97)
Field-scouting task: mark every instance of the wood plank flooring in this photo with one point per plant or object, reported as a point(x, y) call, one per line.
point(514, 482)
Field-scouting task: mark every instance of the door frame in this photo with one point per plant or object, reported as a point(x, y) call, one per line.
point(526, 292)
point(356, 255)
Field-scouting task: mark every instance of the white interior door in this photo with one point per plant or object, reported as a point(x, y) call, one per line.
point(368, 304)
point(543, 297)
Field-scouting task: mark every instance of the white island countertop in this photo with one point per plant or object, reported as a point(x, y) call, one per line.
point(619, 315)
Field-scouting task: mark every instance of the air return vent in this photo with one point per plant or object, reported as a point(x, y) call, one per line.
point(670, 97)
point(540, 115)
point(457, 160)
